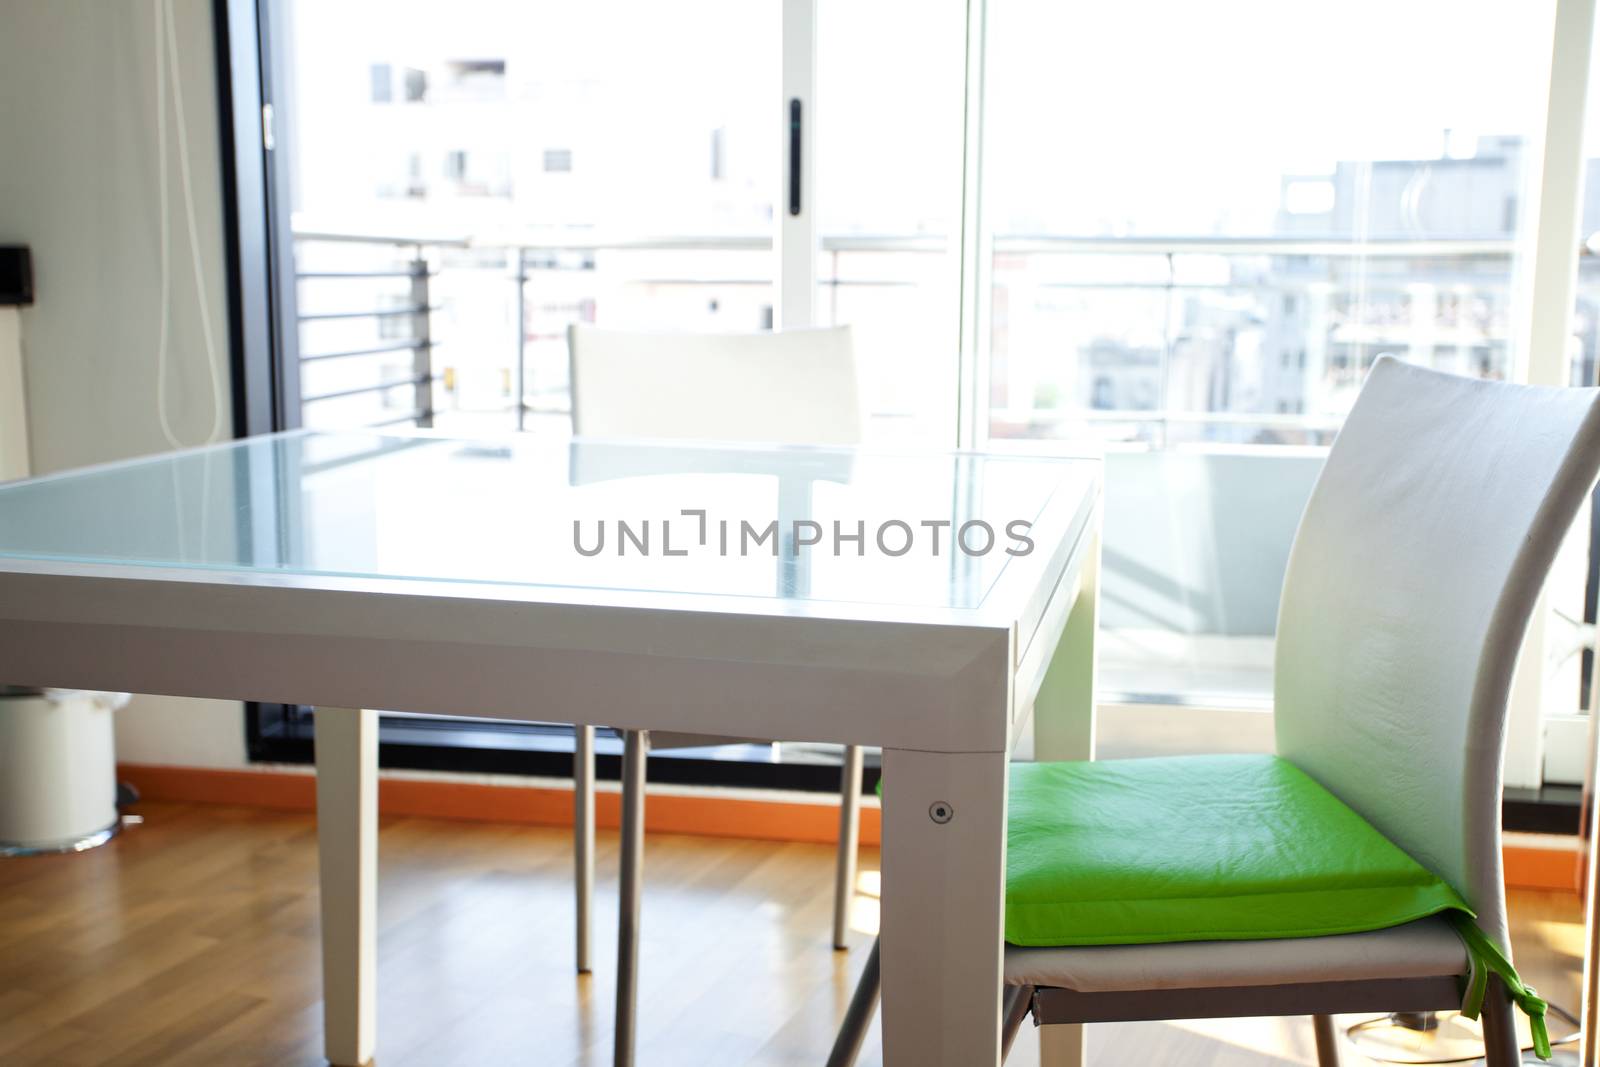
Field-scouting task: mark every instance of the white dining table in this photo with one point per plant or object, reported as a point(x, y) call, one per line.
point(797, 594)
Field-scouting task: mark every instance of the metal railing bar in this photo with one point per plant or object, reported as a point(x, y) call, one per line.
point(399, 346)
point(381, 387)
point(884, 243)
point(430, 240)
point(1398, 287)
point(336, 274)
point(556, 242)
point(380, 313)
point(667, 243)
point(1325, 245)
point(1272, 246)
point(697, 281)
point(1221, 418)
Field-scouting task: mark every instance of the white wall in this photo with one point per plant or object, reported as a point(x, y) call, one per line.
point(13, 414)
point(78, 183)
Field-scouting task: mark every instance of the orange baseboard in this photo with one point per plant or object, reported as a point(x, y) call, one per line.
point(1526, 867)
point(1557, 866)
point(709, 816)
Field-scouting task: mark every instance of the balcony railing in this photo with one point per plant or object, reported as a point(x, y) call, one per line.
point(1139, 317)
point(413, 338)
point(470, 335)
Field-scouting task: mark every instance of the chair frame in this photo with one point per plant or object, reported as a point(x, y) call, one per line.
point(635, 751)
point(1321, 1000)
point(636, 747)
point(1557, 467)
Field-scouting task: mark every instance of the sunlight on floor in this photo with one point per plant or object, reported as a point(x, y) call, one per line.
point(864, 916)
point(1265, 1037)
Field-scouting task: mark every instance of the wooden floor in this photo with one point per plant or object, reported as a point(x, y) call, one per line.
point(192, 939)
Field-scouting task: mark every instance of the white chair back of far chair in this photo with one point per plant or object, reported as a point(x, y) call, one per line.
point(1415, 569)
point(793, 387)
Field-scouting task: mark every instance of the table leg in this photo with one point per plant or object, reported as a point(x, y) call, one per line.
point(347, 857)
point(630, 894)
point(583, 842)
point(844, 874)
point(944, 846)
point(1063, 712)
point(1063, 729)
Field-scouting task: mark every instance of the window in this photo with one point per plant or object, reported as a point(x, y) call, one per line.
point(473, 80)
point(416, 83)
point(1206, 298)
point(488, 145)
point(888, 203)
point(382, 83)
point(719, 154)
point(401, 319)
point(1181, 232)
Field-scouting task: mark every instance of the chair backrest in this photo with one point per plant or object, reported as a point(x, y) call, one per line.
point(1418, 560)
point(793, 387)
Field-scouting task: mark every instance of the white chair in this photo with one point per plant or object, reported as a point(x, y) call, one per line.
point(1416, 566)
point(795, 387)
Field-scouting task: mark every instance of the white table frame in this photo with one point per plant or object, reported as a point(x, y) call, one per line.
point(945, 692)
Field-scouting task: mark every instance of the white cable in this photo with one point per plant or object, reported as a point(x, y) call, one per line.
point(194, 232)
point(164, 9)
point(164, 304)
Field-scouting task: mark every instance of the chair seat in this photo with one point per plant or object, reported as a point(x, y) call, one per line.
point(1425, 948)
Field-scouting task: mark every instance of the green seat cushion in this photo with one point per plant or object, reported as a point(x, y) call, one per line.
point(1216, 848)
point(1198, 848)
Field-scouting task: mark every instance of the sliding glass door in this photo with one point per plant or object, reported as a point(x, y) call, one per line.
point(470, 179)
point(536, 164)
point(1177, 233)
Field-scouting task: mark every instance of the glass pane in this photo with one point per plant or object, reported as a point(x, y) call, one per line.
point(1292, 219)
point(889, 204)
point(636, 169)
point(1208, 220)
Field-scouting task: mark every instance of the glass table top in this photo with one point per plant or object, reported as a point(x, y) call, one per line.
point(801, 523)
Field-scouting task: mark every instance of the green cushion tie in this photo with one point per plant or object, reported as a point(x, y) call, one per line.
point(1485, 956)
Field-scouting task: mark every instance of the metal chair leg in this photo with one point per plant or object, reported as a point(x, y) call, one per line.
point(844, 886)
point(858, 1017)
point(1327, 1041)
point(634, 745)
point(1500, 1045)
point(1014, 1008)
point(583, 841)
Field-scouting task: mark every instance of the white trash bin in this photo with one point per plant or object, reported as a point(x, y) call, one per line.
point(58, 770)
